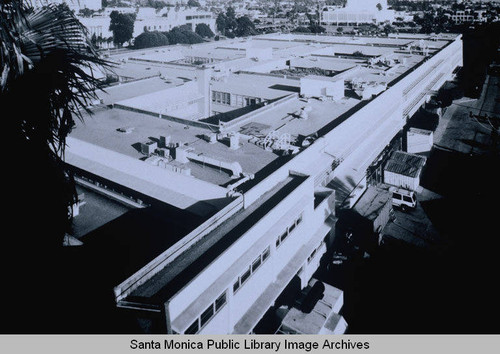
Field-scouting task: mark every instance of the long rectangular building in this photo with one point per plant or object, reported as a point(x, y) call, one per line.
point(270, 162)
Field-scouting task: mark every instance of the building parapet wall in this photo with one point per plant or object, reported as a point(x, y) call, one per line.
point(231, 125)
point(147, 272)
point(193, 123)
point(291, 77)
point(297, 200)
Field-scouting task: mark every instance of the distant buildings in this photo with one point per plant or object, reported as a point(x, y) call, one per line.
point(150, 20)
point(466, 16)
point(357, 12)
point(75, 5)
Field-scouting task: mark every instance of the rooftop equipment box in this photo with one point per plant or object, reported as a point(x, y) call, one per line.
point(317, 86)
point(403, 170)
point(419, 140)
point(149, 147)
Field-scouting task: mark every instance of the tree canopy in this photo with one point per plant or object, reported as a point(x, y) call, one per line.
point(177, 35)
point(221, 23)
point(48, 61)
point(245, 27)
point(183, 35)
point(302, 29)
point(150, 39)
point(193, 3)
point(122, 26)
point(203, 30)
point(47, 80)
point(314, 28)
point(157, 4)
point(230, 25)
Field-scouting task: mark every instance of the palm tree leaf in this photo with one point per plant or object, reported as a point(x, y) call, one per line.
point(49, 48)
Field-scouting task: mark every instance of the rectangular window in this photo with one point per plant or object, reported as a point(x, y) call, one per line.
point(207, 315)
point(290, 229)
point(193, 328)
point(245, 276)
point(221, 300)
point(311, 256)
point(256, 264)
point(219, 97)
point(396, 195)
point(252, 268)
point(299, 220)
point(266, 253)
point(407, 199)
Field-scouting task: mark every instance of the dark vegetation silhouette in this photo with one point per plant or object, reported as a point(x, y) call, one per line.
point(46, 78)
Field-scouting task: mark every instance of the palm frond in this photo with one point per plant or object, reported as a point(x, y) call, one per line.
point(46, 81)
point(47, 49)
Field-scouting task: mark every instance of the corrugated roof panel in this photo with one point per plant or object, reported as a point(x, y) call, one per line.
point(405, 164)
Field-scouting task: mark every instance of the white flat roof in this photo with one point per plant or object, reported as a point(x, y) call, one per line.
point(163, 101)
point(169, 187)
point(133, 89)
point(256, 86)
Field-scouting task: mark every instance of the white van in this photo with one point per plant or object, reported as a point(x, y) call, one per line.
point(403, 199)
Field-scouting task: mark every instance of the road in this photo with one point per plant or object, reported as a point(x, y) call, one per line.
point(457, 131)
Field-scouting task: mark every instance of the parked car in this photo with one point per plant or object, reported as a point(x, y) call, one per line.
point(404, 199)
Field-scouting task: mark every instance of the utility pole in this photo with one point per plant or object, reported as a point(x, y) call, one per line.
point(276, 5)
point(318, 13)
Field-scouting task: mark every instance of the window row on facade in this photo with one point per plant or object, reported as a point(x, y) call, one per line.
point(227, 99)
point(313, 253)
point(288, 230)
point(207, 315)
point(215, 307)
point(198, 17)
point(251, 269)
point(221, 98)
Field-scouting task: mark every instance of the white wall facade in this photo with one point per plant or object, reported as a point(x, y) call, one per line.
point(314, 87)
point(398, 180)
point(419, 140)
point(358, 11)
point(100, 25)
point(222, 273)
point(75, 5)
